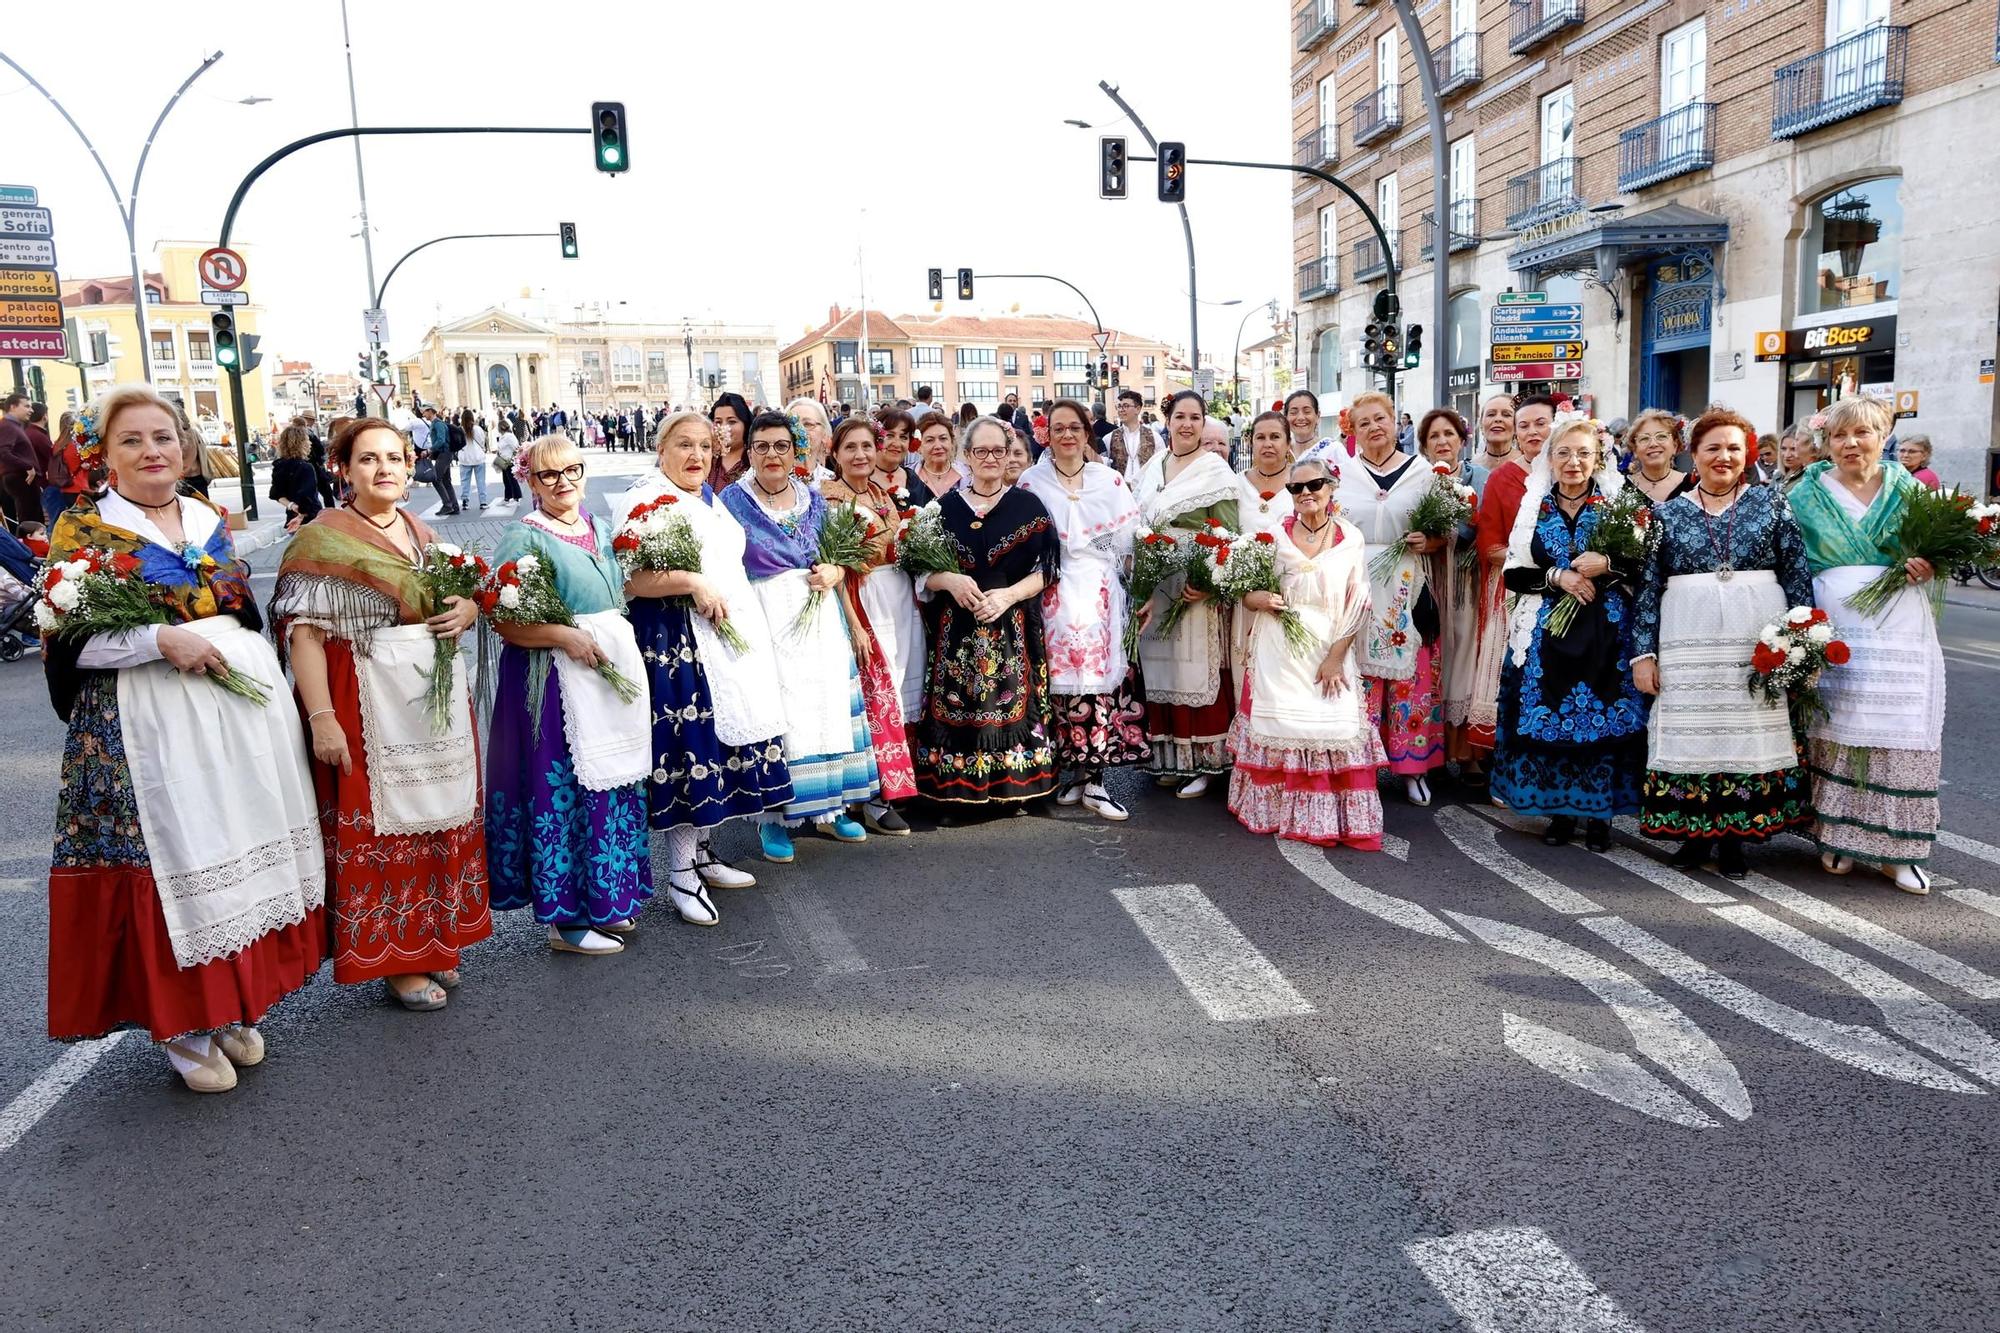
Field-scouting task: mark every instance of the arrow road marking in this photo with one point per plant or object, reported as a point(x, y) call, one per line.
point(1516, 1280)
point(1610, 1074)
point(40, 1097)
point(1478, 840)
point(1311, 862)
point(1217, 964)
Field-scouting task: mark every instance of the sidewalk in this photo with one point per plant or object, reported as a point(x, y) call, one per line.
point(1974, 594)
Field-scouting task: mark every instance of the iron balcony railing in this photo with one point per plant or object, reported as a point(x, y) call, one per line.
point(1681, 141)
point(1854, 75)
point(1456, 63)
point(1321, 148)
point(1535, 21)
point(1465, 234)
point(1317, 278)
point(1375, 115)
point(1546, 192)
point(1314, 26)
point(1369, 260)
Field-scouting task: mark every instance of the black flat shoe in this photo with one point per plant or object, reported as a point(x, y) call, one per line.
point(1597, 835)
point(1561, 829)
point(1692, 855)
point(1729, 862)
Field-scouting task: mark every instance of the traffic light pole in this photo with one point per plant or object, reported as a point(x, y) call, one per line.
point(247, 486)
point(1441, 202)
point(374, 344)
point(1103, 338)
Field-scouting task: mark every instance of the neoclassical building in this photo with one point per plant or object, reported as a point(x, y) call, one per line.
point(496, 357)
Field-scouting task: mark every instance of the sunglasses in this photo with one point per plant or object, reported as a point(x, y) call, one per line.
point(550, 476)
point(1304, 487)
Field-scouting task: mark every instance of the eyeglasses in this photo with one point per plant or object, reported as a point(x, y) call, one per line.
point(771, 448)
point(550, 476)
point(1066, 430)
point(1312, 487)
point(1653, 437)
point(987, 452)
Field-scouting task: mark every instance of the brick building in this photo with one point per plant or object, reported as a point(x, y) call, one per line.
point(963, 359)
point(1769, 203)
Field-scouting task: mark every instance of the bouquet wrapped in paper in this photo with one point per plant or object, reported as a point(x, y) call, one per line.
point(446, 572)
point(656, 538)
point(523, 592)
point(1252, 566)
point(1948, 529)
point(1156, 557)
point(1624, 527)
point(97, 592)
point(1791, 654)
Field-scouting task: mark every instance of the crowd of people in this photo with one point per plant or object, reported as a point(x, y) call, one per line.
point(210, 853)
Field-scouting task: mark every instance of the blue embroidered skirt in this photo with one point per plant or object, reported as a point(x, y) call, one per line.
point(1586, 780)
point(696, 778)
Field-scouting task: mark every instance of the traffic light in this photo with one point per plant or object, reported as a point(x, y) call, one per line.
point(1413, 346)
point(382, 365)
point(965, 284)
point(1392, 350)
point(1103, 371)
point(607, 133)
point(567, 230)
point(250, 357)
point(1173, 173)
point(224, 325)
point(367, 365)
point(937, 283)
point(1111, 159)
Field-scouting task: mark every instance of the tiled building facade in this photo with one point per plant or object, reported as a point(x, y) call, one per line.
point(1764, 202)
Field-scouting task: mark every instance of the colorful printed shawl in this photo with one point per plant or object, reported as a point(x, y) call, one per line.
point(341, 569)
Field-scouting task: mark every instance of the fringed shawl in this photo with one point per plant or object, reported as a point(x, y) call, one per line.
point(1832, 537)
point(341, 574)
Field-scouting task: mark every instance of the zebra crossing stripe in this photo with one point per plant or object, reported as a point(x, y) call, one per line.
point(1973, 847)
point(1516, 1280)
point(1976, 898)
point(1312, 862)
point(1918, 957)
point(39, 1098)
point(1609, 1074)
point(1215, 961)
point(1480, 841)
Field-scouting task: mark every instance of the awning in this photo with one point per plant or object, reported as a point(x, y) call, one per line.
point(1608, 242)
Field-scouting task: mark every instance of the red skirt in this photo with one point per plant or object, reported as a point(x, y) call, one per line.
point(399, 904)
point(112, 966)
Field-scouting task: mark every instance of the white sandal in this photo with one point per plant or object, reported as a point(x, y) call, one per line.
point(1910, 879)
point(1835, 864)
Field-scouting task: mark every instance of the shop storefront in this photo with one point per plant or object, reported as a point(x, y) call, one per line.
point(1827, 362)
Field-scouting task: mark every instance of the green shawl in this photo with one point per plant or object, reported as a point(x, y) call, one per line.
point(1834, 539)
point(343, 567)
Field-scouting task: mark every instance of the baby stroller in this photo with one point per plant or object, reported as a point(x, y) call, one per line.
point(18, 568)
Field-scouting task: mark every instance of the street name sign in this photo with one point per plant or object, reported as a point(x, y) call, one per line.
point(26, 222)
point(47, 345)
point(1522, 353)
point(19, 314)
point(1541, 370)
point(28, 282)
point(28, 252)
point(19, 196)
point(1524, 298)
point(1567, 313)
point(1527, 333)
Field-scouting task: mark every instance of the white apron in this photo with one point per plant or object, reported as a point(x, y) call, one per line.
point(1388, 649)
point(225, 798)
point(1288, 710)
point(1705, 719)
point(610, 740)
point(813, 666)
point(1254, 514)
point(890, 602)
point(418, 782)
point(1084, 610)
point(1890, 693)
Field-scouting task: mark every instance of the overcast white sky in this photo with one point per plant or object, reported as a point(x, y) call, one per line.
point(760, 132)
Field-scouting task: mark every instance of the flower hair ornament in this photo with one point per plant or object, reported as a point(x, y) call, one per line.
point(89, 444)
point(801, 446)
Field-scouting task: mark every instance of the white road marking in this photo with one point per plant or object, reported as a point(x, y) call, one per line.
point(1864, 1048)
point(1480, 841)
point(1516, 1280)
point(39, 1097)
point(1666, 877)
point(1217, 964)
point(1984, 851)
point(1661, 1032)
point(1399, 848)
point(22, 885)
point(809, 920)
point(1919, 957)
point(1612, 1075)
point(1965, 660)
point(1909, 1012)
point(1977, 898)
point(1311, 862)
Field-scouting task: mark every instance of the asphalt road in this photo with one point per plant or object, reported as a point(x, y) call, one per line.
point(1042, 1072)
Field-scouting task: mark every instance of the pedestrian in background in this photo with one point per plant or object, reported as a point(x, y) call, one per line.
point(37, 426)
point(718, 723)
point(20, 493)
point(938, 471)
point(406, 854)
point(1876, 755)
point(187, 884)
point(1914, 453)
point(471, 459)
point(1728, 559)
point(1132, 443)
point(506, 450)
point(439, 432)
point(566, 829)
point(294, 481)
point(732, 461)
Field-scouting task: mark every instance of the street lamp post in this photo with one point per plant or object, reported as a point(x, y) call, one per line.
point(128, 204)
point(687, 341)
point(1236, 357)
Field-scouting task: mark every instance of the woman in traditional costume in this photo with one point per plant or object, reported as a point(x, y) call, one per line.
point(1454, 576)
point(1399, 645)
point(887, 634)
point(1511, 437)
point(1099, 722)
point(937, 471)
point(1572, 739)
point(187, 885)
point(827, 745)
point(399, 800)
point(1721, 765)
point(567, 760)
point(986, 734)
point(716, 720)
point(1875, 757)
point(1305, 754)
point(1189, 687)
point(1655, 440)
point(1262, 502)
point(731, 416)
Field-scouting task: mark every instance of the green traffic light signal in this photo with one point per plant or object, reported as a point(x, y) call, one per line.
point(567, 231)
point(223, 325)
point(1413, 346)
point(607, 133)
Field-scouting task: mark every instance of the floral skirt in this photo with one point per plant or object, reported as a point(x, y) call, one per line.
point(1326, 797)
point(1410, 714)
point(985, 733)
point(1094, 732)
point(1751, 806)
point(577, 857)
point(697, 779)
point(1192, 740)
point(1585, 781)
point(1875, 805)
point(882, 698)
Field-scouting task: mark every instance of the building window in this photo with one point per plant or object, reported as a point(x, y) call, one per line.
point(885, 392)
point(1559, 125)
point(1683, 66)
point(979, 391)
point(753, 371)
point(163, 347)
point(881, 361)
point(1468, 331)
point(1329, 103)
point(625, 362)
point(1080, 392)
point(1328, 379)
point(977, 358)
point(1148, 367)
point(593, 363)
point(1329, 233)
point(1010, 364)
point(1071, 361)
point(1387, 75)
point(198, 348)
point(1852, 252)
point(926, 356)
point(656, 367)
point(1037, 365)
point(935, 386)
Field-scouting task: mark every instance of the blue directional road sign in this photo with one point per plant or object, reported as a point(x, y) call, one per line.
point(1537, 314)
point(1536, 333)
